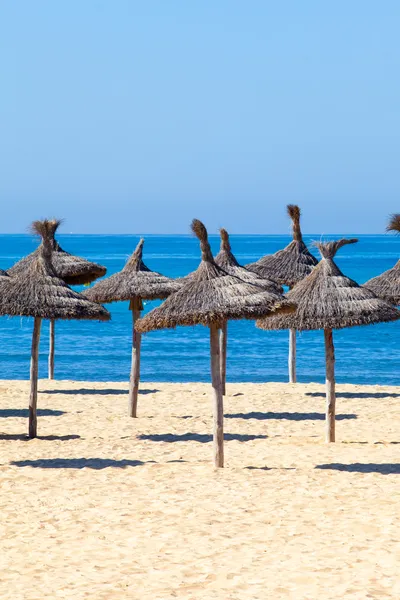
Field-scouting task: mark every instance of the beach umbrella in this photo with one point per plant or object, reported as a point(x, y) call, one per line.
point(326, 299)
point(74, 270)
point(227, 261)
point(135, 283)
point(387, 285)
point(288, 267)
point(37, 292)
point(211, 297)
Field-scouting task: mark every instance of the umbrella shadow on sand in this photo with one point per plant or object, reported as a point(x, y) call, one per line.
point(287, 416)
point(6, 413)
point(49, 438)
point(382, 468)
point(203, 438)
point(79, 463)
point(93, 392)
point(355, 395)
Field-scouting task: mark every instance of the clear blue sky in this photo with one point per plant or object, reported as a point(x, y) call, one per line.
point(136, 116)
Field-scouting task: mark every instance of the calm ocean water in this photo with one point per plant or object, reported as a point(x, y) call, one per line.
point(101, 351)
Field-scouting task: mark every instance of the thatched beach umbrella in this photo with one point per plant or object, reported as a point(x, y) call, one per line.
point(37, 292)
point(288, 267)
point(387, 285)
point(326, 299)
point(211, 297)
point(74, 270)
point(135, 283)
point(227, 261)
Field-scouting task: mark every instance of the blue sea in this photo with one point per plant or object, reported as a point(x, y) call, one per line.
point(94, 351)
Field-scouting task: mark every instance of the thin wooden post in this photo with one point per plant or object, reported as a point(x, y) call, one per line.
point(223, 339)
point(51, 349)
point(292, 356)
point(292, 353)
point(135, 307)
point(330, 386)
point(218, 401)
point(32, 428)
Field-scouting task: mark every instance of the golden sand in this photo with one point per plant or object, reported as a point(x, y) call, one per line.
point(102, 506)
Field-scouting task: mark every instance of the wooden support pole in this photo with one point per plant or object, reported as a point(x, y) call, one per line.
point(32, 428)
point(330, 386)
point(292, 356)
point(217, 398)
point(135, 307)
point(223, 340)
point(51, 349)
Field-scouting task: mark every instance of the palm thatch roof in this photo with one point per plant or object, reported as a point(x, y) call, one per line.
point(327, 299)
point(387, 285)
point(3, 273)
point(38, 292)
point(134, 281)
point(74, 270)
point(212, 296)
point(227, 261)
point(293, 263)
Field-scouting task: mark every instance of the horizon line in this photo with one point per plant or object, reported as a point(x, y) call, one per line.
point(26, 233)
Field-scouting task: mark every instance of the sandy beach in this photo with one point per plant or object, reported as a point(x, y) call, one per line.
point(102, 506)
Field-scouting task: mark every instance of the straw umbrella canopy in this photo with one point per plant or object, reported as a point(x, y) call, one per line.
point(387, 285)
point(227, 261)
point(135, 283)
point(288, 267)
point(74, 270)
point(326, 299)
point(293, 263)
point(37, 292)
point(211, 297)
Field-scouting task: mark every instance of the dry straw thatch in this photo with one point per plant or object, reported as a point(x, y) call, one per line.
point(211, 297)
point(135, 282)
point(227, 261)
point(37, 292)
point(387, 285)
point(293, 263)
point(74, 270)
point(328, 300)
point(288, 267)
